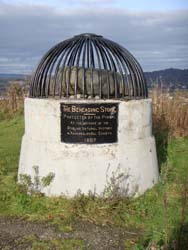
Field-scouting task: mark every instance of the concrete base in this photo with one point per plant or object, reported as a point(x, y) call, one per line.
point(128, 167)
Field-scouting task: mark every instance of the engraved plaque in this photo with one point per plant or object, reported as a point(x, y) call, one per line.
point(89, 123)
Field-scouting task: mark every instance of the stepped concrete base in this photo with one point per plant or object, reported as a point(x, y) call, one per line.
point(128, 167)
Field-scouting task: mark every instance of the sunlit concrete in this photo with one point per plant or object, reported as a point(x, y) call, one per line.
point(129, 166)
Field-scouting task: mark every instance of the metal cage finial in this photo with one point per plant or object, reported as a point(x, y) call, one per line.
point(88, 66)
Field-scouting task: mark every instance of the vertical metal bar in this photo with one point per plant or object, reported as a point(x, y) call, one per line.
point(118, 61)
point(83, 67)
point(100, 69)
point(63, 69)
point(71, 63)
point(105, 64)
point(64, 62)
point(128, 64)
point(88, 51)
point(92, 65)
point(65, 46)
point(45, 71)
point(77, 65)
point(36, 75)
point(114, 68)
point(52, 63)
point(139, 72)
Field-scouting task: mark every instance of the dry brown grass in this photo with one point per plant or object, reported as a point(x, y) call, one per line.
point(170, 112)
point(13, 100)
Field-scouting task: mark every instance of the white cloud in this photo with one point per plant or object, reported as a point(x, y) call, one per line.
point(60, 3)
point(157, 39)
point(90, 1)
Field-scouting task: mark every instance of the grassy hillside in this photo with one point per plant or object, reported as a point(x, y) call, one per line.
point(10, 139)
point(157, 219)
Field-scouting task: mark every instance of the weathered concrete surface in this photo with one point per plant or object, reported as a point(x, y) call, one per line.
point(129, 166)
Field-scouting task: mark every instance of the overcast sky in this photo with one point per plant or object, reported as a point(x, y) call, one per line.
point(154, 31)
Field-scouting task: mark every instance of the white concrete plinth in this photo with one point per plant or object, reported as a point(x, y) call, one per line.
point(129, 166)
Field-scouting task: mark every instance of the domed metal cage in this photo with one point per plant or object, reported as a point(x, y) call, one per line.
point(88, 66)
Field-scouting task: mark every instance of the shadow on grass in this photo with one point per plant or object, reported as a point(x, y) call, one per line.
point(161, 136)
point(179, 240)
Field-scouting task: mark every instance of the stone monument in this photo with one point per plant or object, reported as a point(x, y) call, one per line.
point(88, 121)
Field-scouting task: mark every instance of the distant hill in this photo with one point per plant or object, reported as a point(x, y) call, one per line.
point(168, 78)
point(12, 76)
point(7, 79)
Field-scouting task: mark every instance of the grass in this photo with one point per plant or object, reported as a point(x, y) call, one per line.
point(55, 244)
point(159, 218)
point(10, 139)
point(170, 112)
point(160, 215)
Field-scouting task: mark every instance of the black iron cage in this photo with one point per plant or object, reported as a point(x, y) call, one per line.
point(88, 66)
